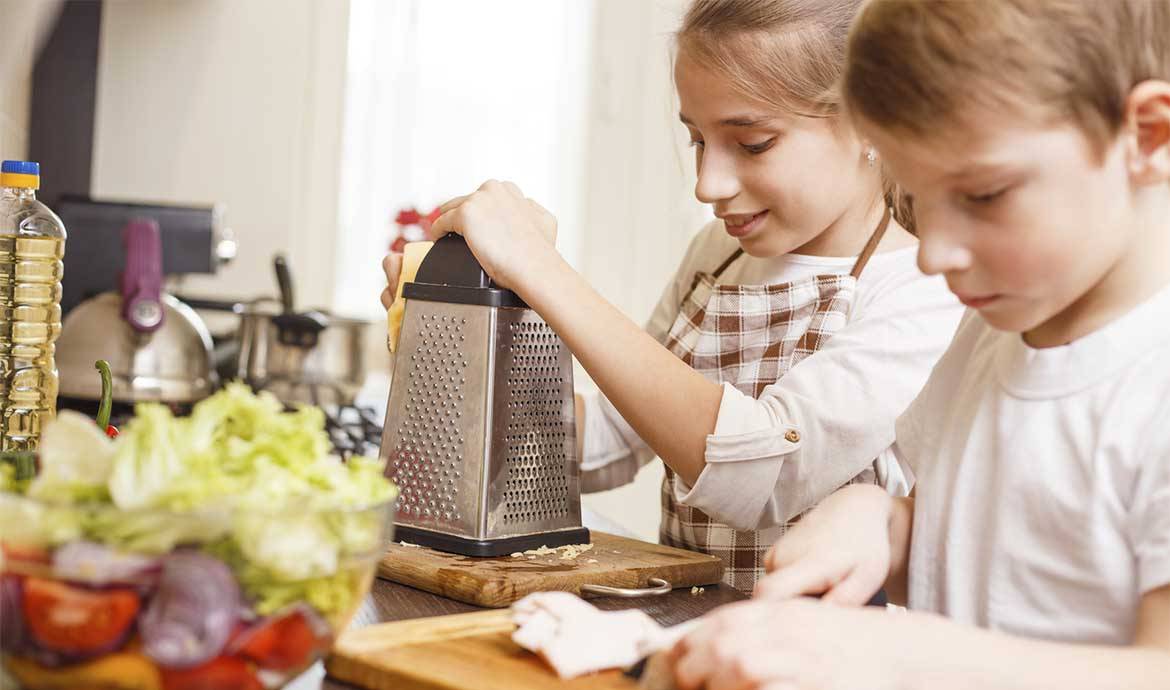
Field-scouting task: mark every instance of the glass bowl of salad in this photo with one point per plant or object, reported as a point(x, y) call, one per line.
point(224, 549)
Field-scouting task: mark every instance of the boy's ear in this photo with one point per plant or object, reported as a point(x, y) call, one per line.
point(1147, 117)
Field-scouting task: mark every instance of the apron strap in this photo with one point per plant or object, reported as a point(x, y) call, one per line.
point(715, 275)
point(730, 260)
point(871, 245)
point(858, 267)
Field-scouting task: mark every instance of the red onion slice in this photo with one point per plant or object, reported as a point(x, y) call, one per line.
point(11, 617)
point(191, 616)
point(88, 562)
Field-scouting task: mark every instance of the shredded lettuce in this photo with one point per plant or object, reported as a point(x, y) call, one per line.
point(76, 459)
point(334, 594)
point(35, 523)
point(241, 477)
point(154, 532)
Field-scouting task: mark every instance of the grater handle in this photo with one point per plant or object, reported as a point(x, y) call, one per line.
point(659, 588)
point(451, 262)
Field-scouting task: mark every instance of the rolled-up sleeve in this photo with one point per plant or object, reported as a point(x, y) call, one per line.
point(613, 451)
point(831, 416)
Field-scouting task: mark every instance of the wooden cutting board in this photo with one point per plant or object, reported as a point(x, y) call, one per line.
point(498, 582)
point(466, 651)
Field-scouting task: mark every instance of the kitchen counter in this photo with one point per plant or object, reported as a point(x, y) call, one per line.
point(388, 601)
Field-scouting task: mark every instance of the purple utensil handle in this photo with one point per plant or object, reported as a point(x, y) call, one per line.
point(142, 277)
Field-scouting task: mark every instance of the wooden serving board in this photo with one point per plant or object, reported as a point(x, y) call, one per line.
point(498, 582)
point(466, 651)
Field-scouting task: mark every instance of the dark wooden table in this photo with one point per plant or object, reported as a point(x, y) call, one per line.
point(388, 601)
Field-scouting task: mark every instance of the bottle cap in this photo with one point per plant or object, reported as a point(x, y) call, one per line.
point(23, 174)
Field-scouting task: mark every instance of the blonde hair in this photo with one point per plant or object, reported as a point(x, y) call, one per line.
point(787, 54)
point(918, 66)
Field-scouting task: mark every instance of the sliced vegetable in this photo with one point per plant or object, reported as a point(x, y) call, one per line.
point(284, 643)
point(42, 524)
point(78, 621)
point(124, 671)
point(11, 622)
point(85, 561)
point(76, 459)
point(193, 613)
point(218, 674)
point(25, 553)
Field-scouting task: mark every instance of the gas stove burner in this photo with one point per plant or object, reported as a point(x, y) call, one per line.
point(353, 430)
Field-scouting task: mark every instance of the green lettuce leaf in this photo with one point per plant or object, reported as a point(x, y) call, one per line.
point(240, 476)
point(76, 460)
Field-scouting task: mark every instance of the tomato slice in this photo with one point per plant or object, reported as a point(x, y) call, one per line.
point(281, 644)
point(77, 621)
point(220, 673)
point(25, 552)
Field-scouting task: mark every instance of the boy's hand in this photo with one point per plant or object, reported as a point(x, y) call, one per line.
point(841, 550)
point(505, 230)
point(392, 267)
point(792, 644)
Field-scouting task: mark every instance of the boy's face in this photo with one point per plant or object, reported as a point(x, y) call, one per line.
point(780, 182)
point(1024, 221)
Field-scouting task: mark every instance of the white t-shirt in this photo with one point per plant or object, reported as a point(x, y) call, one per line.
point(843, 399)
point(1043, 479)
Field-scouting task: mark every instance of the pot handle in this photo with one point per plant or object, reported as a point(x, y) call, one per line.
point(659, 587)
point(284, 282)
point(142, 278)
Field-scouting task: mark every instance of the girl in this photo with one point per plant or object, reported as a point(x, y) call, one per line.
point(798, 324)
point(1040, 523)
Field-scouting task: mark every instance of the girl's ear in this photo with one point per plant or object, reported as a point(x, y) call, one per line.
point(1147, 118)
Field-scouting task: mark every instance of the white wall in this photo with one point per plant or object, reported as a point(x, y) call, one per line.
point(23, 26)
point(230, 101)
point(640, 207)
point(240, 101)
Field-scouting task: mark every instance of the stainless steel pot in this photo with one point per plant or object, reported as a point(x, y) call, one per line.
point(312, 357)
point(330, 372)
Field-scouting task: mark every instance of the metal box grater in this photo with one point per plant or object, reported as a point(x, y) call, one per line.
point(480, 434)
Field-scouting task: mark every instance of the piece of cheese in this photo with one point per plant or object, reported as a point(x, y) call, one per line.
point(412, 256)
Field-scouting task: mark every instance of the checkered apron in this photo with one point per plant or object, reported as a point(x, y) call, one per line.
point(750, 336)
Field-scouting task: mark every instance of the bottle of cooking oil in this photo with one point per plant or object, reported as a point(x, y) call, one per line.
point(32, 246)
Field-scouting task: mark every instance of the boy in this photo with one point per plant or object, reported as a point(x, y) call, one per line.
point(1034, 137)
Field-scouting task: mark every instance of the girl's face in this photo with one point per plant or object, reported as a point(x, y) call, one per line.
point(1025, 222)
point(780, 182)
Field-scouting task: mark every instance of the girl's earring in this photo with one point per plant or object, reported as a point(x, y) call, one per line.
point(870, 157)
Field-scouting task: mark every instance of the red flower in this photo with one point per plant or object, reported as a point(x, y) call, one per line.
point(408, 216)
point(397, 245)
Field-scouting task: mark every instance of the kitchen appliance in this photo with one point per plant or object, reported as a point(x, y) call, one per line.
point(300, 357)
point(194, 240)
point(159, 350)
point(480, 434)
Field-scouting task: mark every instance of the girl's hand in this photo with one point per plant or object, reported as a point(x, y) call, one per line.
point(392, 267)
point(796, 644)
point(506, 231)
point(841, 550)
